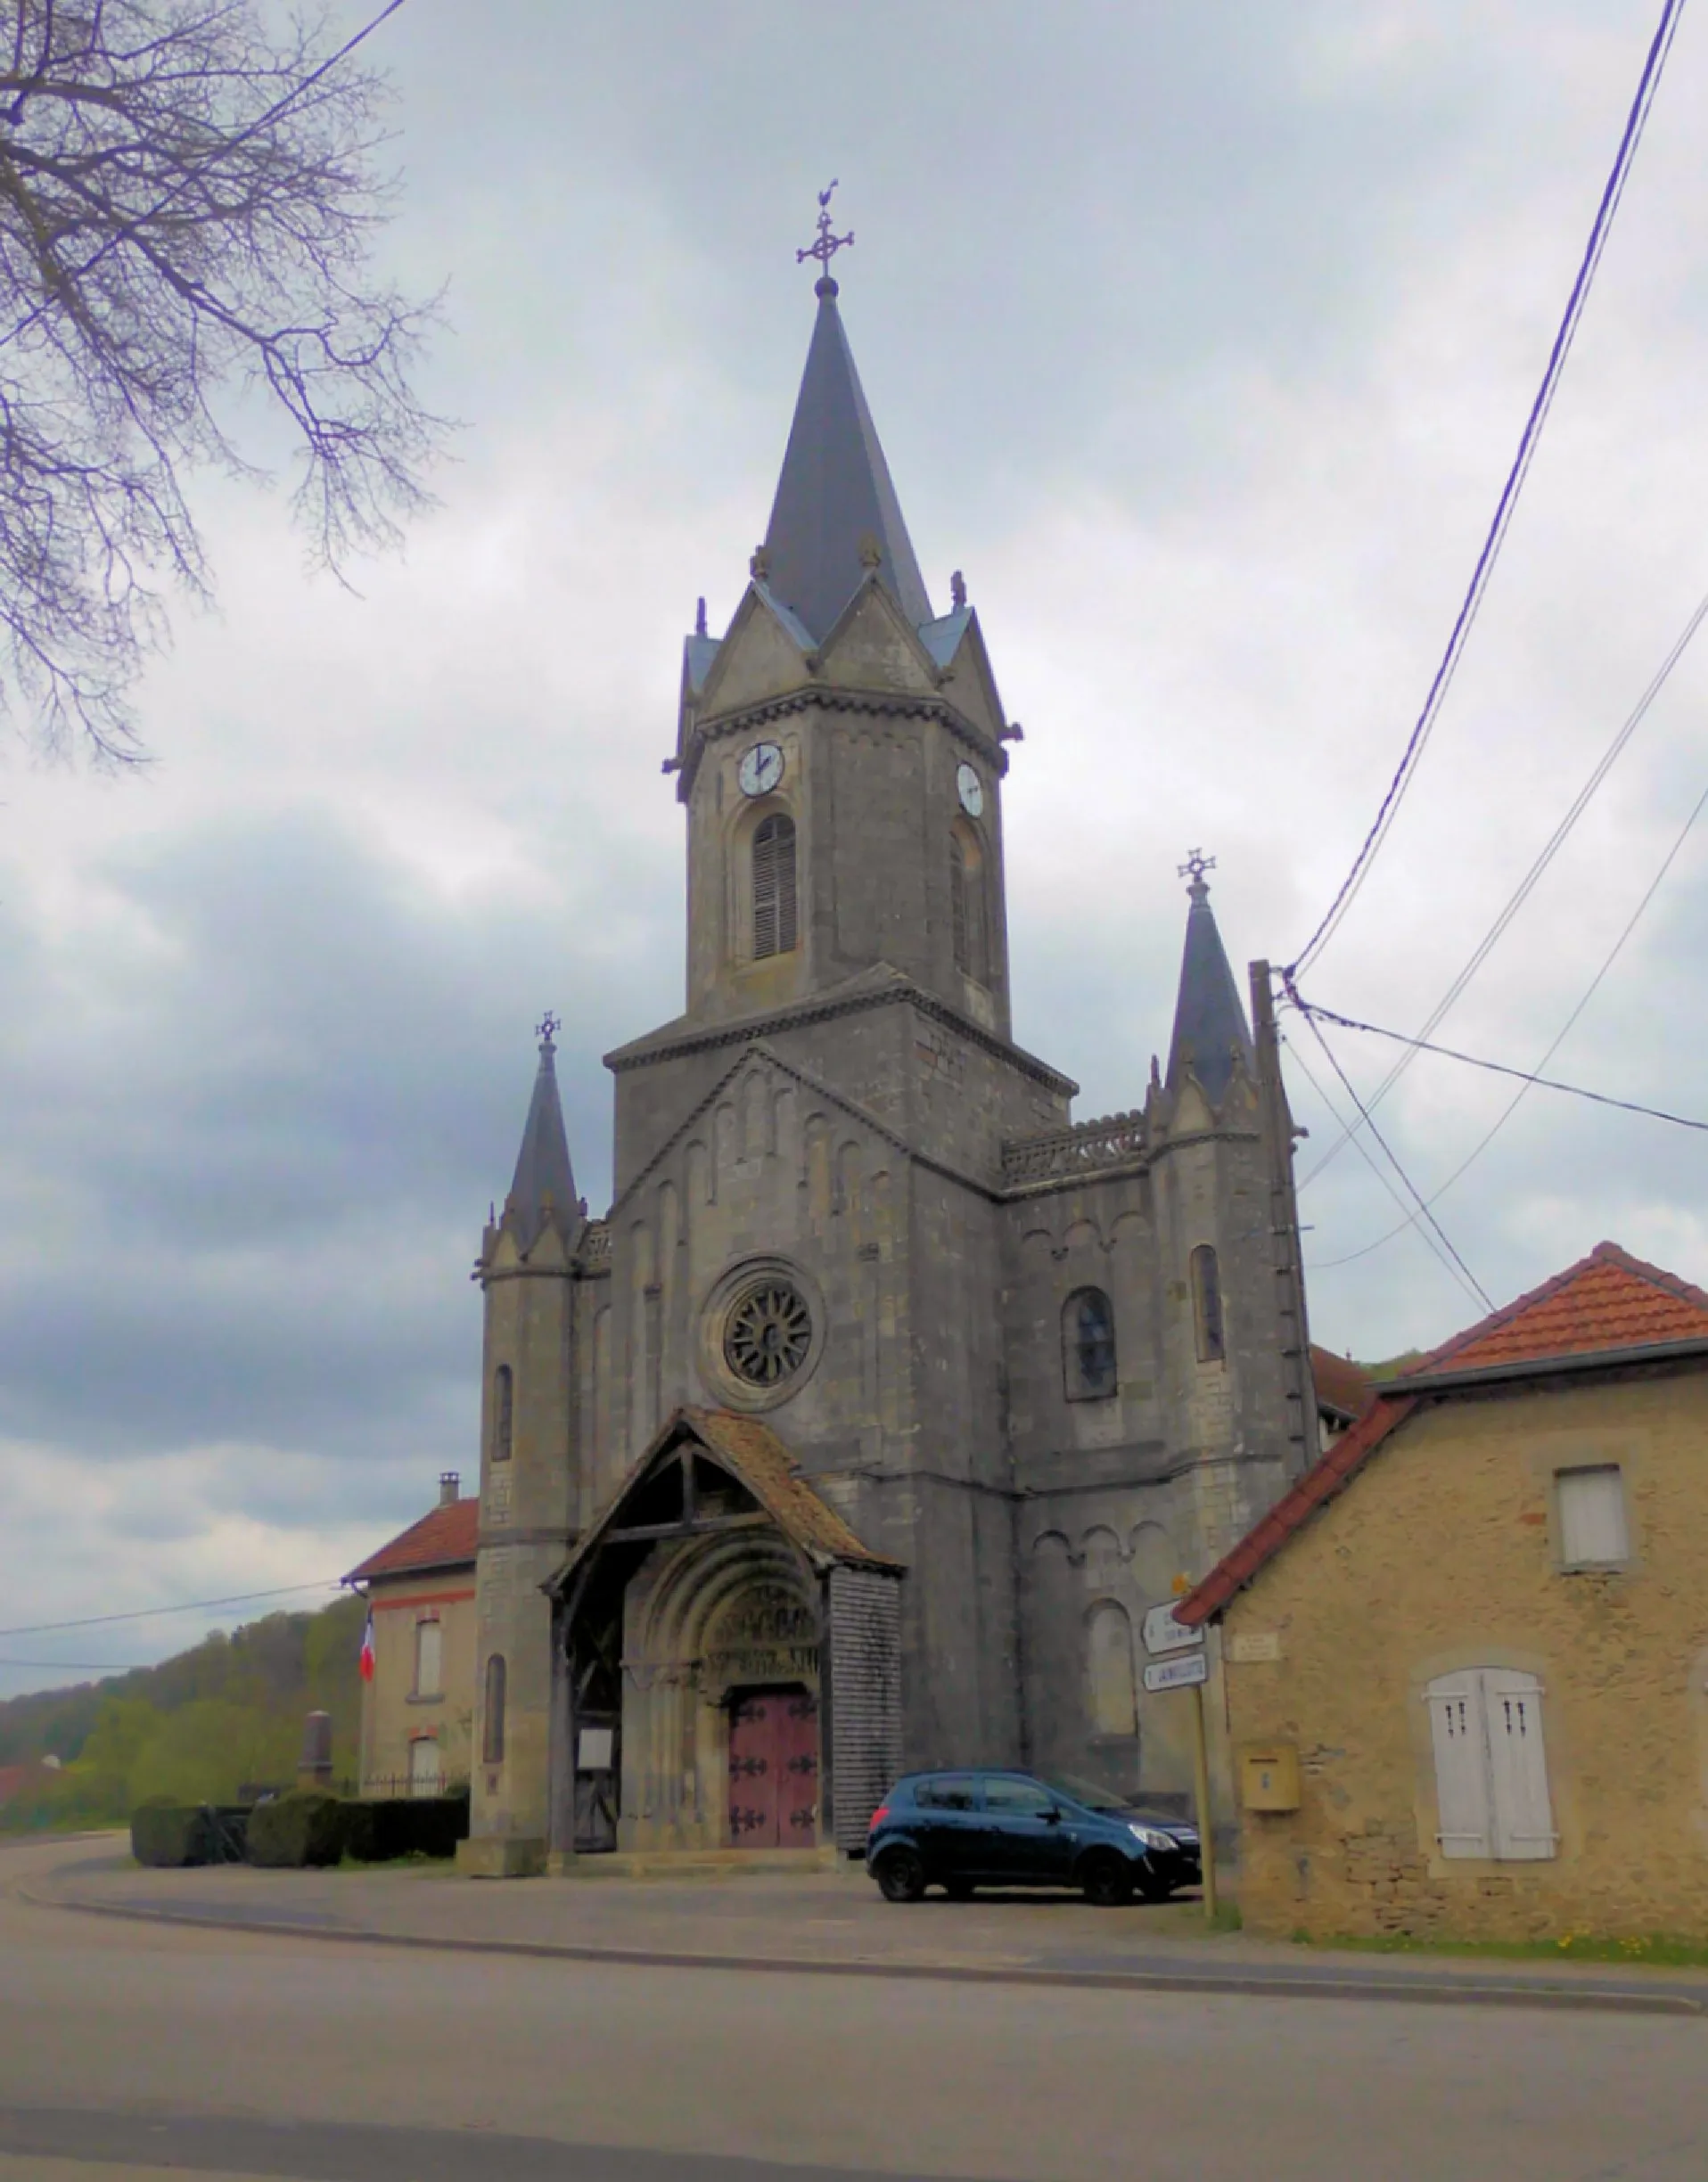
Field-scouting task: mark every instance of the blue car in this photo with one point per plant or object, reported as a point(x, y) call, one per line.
point(979, 1828)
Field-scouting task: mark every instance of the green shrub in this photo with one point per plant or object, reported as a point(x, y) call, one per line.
point(169, 1835)
point(407, 1826)
point(302, 1828)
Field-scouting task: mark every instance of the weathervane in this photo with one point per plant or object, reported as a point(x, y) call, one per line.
point(547, 1029)
point(827, 245)
point(1194, 867)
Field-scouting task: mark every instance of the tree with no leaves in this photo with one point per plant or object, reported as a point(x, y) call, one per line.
point(188, 193)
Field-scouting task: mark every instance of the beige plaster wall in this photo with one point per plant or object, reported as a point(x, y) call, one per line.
point(393, 1716)
point(1443, 1554)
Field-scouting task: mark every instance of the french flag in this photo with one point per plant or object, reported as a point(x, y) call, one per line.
point(366, 1663)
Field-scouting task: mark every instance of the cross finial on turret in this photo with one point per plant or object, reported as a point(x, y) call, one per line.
point(546, 1031)
point(826, 247)
point(1193, 869)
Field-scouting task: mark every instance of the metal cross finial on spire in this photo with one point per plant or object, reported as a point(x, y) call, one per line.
point(826, 247)
point(546, 1030)
point(1194, 867)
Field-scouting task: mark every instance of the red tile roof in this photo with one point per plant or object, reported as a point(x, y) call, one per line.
point(443, 1538)
point(1607, 1301)
point(1341, 1386)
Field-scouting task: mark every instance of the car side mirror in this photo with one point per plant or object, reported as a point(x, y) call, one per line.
point(1052, 1817)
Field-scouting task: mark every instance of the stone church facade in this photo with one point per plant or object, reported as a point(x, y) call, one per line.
point(862, 1431)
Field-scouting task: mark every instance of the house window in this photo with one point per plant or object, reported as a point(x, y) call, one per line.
point(492, 1719)
point(425, 1776)
point(967, 904)
point(1592, 1518)
point(1206, 1304)
point(503, 1411)
point(1088, 1345)
point(1491, 1764)
point(774, 893)
point(430, 1658)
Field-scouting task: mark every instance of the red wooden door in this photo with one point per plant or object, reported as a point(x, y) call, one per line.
point(774, 1769)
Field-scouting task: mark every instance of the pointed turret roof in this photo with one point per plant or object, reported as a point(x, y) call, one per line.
point(544, 1187)
point(834, 500)
point(1209, 1025)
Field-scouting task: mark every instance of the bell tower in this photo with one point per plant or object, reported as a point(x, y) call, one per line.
point(841, 748)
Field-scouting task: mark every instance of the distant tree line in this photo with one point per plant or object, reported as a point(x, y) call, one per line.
point(226, 1715)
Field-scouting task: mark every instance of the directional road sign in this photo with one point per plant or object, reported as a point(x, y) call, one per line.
point(1163, 1633)
point(1180, 1672)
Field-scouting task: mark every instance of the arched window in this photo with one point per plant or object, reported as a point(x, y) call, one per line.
point(1088, 1345)
point(967, 904)
point(492, 1721)
point(503, 1411)
point(773, 898)
point(1109, 1670)
point(1206, 1304)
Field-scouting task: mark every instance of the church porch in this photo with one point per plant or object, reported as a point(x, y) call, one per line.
point(726, 1662)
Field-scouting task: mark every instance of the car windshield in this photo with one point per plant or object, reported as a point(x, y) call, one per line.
point(1085, 1792)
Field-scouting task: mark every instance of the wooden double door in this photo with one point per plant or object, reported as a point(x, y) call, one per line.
point(774, 1769)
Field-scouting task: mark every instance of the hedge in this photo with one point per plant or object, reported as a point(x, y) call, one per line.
point(406, 1825)
point(174, 1834)
point(304, 1827)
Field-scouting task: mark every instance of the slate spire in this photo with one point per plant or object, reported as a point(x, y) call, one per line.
point(835, 507)
point(544, 1187)
point(1209, 1025)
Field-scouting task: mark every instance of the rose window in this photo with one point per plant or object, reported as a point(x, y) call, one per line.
point(768, 1334)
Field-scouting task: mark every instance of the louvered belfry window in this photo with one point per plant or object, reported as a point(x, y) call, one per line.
point(774, 893)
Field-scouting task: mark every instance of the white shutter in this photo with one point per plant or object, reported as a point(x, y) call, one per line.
point(429, 1656)
point(1524, 1816)
point(1592, 1518)
point(1462, 1789)
point(423, 1767)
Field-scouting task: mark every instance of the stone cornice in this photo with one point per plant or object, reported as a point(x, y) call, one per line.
point(744, 1030)
point(898, 704)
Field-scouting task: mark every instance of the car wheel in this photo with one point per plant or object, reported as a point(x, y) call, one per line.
point(959, 1890)
point(900, 1875)
point(1107, 1880)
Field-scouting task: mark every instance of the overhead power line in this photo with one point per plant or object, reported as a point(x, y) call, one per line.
point(150, 1613)
point(1365, 1153)
point(1527, 885)
point(1635, 123)
point(1310, 1011)
point(1535, 1078)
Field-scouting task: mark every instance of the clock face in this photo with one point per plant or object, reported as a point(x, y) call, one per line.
point(970, 788)
point(761, 769)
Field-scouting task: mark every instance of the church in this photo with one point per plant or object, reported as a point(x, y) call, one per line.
point(862, 1429)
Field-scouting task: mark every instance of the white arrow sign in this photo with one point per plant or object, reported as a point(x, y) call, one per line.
point(1163, 1633)
point(1177, 1673)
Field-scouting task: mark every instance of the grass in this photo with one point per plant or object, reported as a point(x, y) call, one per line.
point(1664, 1950)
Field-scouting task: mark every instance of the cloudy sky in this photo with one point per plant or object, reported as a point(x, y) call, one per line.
point(1200, 339)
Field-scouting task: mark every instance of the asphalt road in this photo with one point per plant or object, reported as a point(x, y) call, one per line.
point(133, 2051)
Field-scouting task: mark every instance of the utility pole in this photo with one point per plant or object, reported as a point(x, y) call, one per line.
point(1276, 1123)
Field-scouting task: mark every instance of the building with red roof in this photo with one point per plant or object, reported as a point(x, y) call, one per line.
point(1465, 1658)
point(418, 1705)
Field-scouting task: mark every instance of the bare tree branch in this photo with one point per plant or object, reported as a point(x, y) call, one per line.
point(188, 199)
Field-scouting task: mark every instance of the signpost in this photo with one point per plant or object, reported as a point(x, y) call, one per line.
point(1185, 1666)
point(1163, 1633)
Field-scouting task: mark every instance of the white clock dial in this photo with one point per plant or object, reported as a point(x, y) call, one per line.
point(970, 788)
point(761, 769)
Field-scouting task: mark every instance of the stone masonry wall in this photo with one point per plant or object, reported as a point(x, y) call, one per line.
point(1443, 1554)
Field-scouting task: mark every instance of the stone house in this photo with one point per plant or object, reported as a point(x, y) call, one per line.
point(1464, 1660)
point(418, 1708)
point(883, 1381)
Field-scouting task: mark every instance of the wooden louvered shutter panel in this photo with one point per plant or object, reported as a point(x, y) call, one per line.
point(957, 900)
point(1524, 1813)
point(1460, 1744)
point(785, 884)
point(765, 888)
